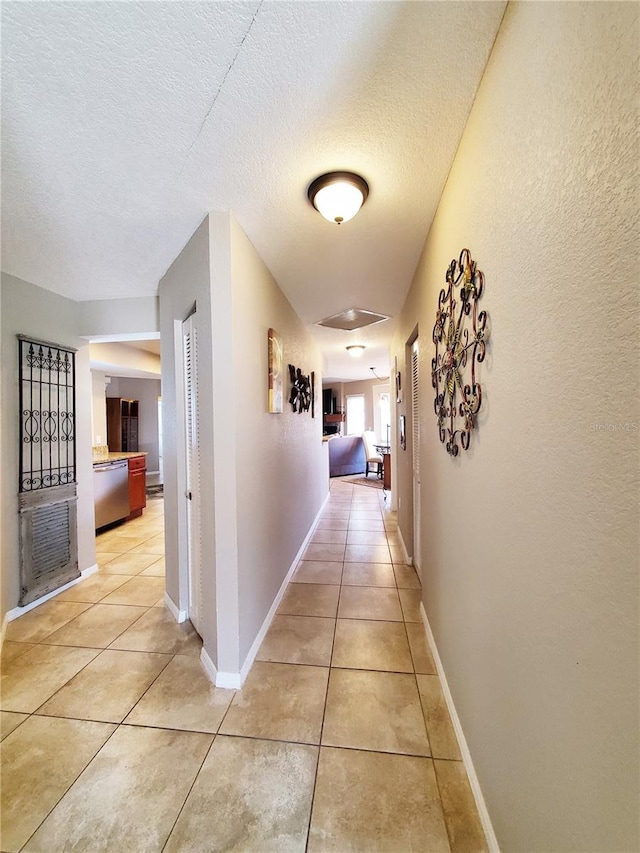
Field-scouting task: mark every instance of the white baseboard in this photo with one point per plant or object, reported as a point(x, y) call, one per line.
point(405, 553)
point(20, 611)
point(178, 615)
point(209, 666)
point(235, 680)
point(253, 651)
point(487, 826)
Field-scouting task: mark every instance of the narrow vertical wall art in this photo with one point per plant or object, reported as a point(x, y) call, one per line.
point(275, 372)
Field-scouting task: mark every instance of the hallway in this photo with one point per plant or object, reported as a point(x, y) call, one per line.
point(340, 739)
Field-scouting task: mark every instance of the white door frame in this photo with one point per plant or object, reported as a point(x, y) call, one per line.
point(191, 457)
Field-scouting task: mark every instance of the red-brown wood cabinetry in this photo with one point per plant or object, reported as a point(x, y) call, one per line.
point(137, 485)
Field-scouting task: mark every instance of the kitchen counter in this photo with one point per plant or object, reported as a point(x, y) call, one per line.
point(101, 458)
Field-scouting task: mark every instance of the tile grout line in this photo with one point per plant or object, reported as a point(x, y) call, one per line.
point(191, 787)
point(70, 786)
point(324, 709)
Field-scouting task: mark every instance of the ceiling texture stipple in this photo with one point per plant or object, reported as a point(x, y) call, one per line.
point(124, 123)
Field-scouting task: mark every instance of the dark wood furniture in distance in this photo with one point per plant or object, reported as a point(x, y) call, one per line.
point(122, 425)
point(385, 451)
point(137, 485)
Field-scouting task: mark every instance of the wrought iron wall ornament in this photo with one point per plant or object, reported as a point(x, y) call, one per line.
point(47, 415)
point(300, 397)
point(47, 499)
point(459, 334)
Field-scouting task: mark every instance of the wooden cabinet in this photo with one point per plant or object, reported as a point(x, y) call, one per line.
point(122, 425)
point(137, 485)
point(331, 424)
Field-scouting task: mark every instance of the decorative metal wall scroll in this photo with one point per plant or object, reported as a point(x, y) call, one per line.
point(460, 335)
point(300, 397)
point(47, 415)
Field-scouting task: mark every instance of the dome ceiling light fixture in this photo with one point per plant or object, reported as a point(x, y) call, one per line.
point(338, 196)
point(356, 350)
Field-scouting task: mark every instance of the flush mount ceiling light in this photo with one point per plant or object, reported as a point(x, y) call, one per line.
point(338, 196)
point(356, 350)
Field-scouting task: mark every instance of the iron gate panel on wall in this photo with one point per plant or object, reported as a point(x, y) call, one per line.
point(47, 498)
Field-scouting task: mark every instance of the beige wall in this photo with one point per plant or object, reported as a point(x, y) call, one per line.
point(281, 464)
point(120, 358)
point(98, 408)
point(187, 284)
point(110, 317)
point(30, 310)
point(530, 556)
point(264, 477)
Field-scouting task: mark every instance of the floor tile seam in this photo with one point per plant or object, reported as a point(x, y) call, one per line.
point(28, 715)
point(383, 671)
point(369, 618)
point(112, 722)
point(144, 693)
point(40, 642)
point(422, 708)
point(428, 757)
point(288, 663)
point(75, 646)
point(448, 830)
point(361, 668)
point(70, 786)
point(55, 692)
point(304, 615)
point(188, 794)
point(115, 604)
point(270, 738)
point(324, 713)
point(160, 728)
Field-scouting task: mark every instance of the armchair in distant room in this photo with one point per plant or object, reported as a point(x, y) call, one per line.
point(372, 457)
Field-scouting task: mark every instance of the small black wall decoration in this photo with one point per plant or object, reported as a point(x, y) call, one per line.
point(300, 397)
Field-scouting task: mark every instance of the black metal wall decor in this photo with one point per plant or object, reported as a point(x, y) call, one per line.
point(300, 397)
point(459, 334)
point(47, 498)
point(47, 415)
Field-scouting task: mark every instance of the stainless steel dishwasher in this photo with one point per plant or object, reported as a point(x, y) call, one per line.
point(111, 492)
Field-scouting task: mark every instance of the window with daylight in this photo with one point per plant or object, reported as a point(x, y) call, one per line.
point(384, 403)
point(355, 414)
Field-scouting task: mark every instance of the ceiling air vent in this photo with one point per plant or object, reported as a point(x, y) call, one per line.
point(352, 319)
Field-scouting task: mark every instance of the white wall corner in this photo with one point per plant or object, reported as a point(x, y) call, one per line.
point(253, 651)
point(228, 680)
point(487, 826)
point(178, 615)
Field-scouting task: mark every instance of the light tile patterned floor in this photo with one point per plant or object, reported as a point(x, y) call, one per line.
point(340, 740)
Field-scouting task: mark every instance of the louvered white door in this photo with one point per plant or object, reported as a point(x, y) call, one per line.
point(415, 427)
point(192, 495)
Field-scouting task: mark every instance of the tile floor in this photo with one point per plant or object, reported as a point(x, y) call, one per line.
point(340, 740)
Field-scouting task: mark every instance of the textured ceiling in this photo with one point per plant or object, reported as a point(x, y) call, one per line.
point(123, 123)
